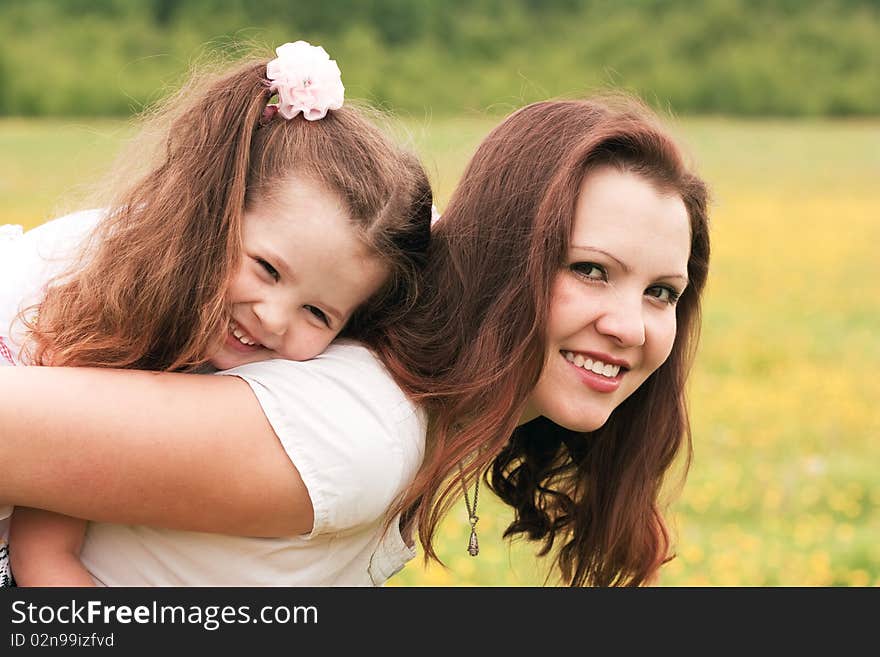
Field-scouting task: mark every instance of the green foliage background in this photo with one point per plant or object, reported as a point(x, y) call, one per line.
point(743, 57)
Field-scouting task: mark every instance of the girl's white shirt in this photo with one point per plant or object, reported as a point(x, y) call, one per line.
point(355, 438)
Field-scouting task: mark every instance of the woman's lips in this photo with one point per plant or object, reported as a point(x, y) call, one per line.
point(594, 381)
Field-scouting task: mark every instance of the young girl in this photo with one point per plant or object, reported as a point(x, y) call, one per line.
point(265, 229)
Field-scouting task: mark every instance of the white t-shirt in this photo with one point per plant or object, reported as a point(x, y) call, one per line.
point(355, 438)
point(27, 261)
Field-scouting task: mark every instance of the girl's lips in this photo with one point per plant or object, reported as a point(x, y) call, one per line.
point(235, 344)
point(597, 382)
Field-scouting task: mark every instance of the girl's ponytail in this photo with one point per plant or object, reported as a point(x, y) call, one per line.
point(149, 295)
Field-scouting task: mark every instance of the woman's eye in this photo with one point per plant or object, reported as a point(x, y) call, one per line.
point(269, 269)
point(317, 312)
point(589, 270)
point(663, 293)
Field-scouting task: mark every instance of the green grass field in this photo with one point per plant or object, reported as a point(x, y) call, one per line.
point(784, 487)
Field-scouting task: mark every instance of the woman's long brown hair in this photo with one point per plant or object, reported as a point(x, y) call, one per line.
point(149, 290)
point(473, 348)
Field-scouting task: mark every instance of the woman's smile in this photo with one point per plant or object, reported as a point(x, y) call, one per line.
point(599, 375)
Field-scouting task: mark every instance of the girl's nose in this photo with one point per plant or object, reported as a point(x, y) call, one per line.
point(273, 317)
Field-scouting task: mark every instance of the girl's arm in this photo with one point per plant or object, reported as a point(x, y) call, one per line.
point(44, 549)
point(179, 451)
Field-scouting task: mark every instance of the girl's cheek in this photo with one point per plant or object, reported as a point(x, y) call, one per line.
point(240, 286)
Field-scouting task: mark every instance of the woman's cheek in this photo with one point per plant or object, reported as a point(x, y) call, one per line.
point(662, 338)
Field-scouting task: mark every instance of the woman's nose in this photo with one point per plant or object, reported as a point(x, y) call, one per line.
point(622, 319)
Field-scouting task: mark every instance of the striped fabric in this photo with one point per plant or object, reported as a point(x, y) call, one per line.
point(5, 353)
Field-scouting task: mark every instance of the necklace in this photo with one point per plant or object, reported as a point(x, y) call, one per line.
point(473, 545)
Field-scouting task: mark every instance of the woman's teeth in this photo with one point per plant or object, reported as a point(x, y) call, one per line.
point(240, 335)
point(595, 366)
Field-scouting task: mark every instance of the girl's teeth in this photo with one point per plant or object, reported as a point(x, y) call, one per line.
point(240, 336)
point(597, 367)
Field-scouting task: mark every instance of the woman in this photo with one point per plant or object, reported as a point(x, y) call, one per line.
point(554, 334)
point(577, 235)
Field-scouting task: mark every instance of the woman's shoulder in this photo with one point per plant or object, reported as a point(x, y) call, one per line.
point(346, 369)
point(346, 356)
point(345, 391)
point(353, 435)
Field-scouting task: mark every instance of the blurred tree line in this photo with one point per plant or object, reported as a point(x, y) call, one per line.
point(745, 57)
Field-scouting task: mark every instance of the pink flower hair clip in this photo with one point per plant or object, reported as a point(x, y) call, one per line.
point(306, 80)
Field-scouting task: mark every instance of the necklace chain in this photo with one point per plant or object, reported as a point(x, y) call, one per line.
point(473, 545)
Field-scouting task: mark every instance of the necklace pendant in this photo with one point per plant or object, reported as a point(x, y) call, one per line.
point(473, 544)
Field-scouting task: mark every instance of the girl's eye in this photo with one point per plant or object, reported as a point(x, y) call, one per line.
point(589, 270)
point(663, 293)
point(269, 269)
point(318, 313)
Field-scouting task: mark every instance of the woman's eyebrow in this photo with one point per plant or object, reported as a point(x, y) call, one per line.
point(621, 264)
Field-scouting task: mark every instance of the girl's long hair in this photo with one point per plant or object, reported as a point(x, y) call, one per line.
point(474, 347)
point(148, 292)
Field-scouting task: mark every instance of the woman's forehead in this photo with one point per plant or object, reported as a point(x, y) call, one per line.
point(628, 217)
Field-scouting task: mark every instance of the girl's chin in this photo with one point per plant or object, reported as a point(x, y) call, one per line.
point(220, 364)
point(226, 361)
